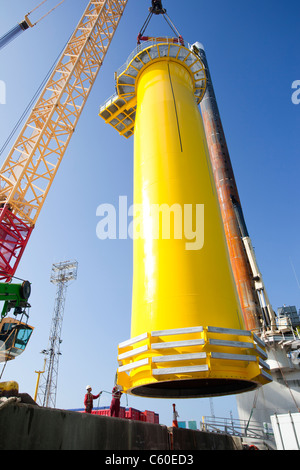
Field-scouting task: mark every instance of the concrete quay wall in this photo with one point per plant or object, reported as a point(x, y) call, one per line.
point(28, 427)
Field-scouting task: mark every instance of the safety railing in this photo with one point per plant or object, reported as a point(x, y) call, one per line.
point(145, 45)
point(236, 427)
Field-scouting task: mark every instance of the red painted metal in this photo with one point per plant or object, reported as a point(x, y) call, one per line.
point(14, 235)
point(149, 416)
point(128, 413)
point(132, 413)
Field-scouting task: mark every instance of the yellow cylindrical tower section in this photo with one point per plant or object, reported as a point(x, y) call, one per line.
point(188, 337)
point(182, 276)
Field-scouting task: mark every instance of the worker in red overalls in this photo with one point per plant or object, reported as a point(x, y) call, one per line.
point(89, 398)
point(115, 402)
point(175, 416)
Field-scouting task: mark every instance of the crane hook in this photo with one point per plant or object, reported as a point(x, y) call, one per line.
point(157, 8)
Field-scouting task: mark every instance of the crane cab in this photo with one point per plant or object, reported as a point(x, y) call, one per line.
point(14, 337)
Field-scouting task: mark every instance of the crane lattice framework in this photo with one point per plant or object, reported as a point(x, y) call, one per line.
point(29, 169)
point(62, 274)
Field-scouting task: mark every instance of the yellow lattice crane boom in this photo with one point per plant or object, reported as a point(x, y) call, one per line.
point(31, 165)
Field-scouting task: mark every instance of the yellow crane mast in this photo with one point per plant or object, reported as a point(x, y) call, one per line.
point(29, 169)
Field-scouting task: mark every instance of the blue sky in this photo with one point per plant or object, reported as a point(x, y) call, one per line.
point(252, 52)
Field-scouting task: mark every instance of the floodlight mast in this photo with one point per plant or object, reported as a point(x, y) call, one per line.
point(62, 274)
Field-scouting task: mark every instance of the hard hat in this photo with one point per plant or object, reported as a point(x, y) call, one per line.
point(88, 386)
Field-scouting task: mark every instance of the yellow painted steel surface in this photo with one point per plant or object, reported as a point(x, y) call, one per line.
point(177, 282)
point(10, 386)
point(188, 336)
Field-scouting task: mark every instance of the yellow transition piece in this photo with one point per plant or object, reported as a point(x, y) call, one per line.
point(188, 336)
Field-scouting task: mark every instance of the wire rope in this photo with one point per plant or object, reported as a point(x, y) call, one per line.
point(166, 18)
point(38, 6)
point(171, 24)
point(44, 16)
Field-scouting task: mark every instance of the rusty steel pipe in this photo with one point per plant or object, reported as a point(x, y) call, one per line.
point(227, 194)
